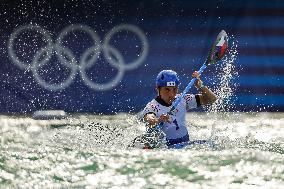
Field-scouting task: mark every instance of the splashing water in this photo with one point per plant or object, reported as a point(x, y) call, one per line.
point(101, 132)
point(225, 89)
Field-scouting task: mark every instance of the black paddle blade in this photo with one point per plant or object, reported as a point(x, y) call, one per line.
point(218, 48)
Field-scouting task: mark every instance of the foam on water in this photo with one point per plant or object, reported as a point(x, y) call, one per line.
point(91, 151)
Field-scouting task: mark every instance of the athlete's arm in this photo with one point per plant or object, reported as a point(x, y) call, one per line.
point(207, 96)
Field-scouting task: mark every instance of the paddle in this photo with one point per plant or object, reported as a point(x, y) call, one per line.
point(216, 53)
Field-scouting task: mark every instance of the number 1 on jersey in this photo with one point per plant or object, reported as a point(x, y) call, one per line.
point(175, 122)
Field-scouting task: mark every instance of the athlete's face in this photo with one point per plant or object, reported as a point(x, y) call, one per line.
point(168, 94)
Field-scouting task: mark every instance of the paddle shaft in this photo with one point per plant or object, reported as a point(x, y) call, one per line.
point(189, 85)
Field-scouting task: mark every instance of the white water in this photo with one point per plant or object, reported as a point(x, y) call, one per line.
point(84, 154)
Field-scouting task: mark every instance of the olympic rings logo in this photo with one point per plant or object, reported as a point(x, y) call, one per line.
point(68, 59)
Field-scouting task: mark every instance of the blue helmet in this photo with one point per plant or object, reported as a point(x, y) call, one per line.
point(167, 78)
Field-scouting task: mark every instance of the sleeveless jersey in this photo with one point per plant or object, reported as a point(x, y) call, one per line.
point(177, 126)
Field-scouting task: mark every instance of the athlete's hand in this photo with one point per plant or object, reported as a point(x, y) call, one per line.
point(164, 118)
point(153, 120)
point(198, 82)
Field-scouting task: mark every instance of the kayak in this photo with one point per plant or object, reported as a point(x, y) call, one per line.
point(157, 140)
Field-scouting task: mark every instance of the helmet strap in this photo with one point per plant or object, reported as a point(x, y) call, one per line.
point(158, 90)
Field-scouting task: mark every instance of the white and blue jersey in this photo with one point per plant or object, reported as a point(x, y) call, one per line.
point(176, 130)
